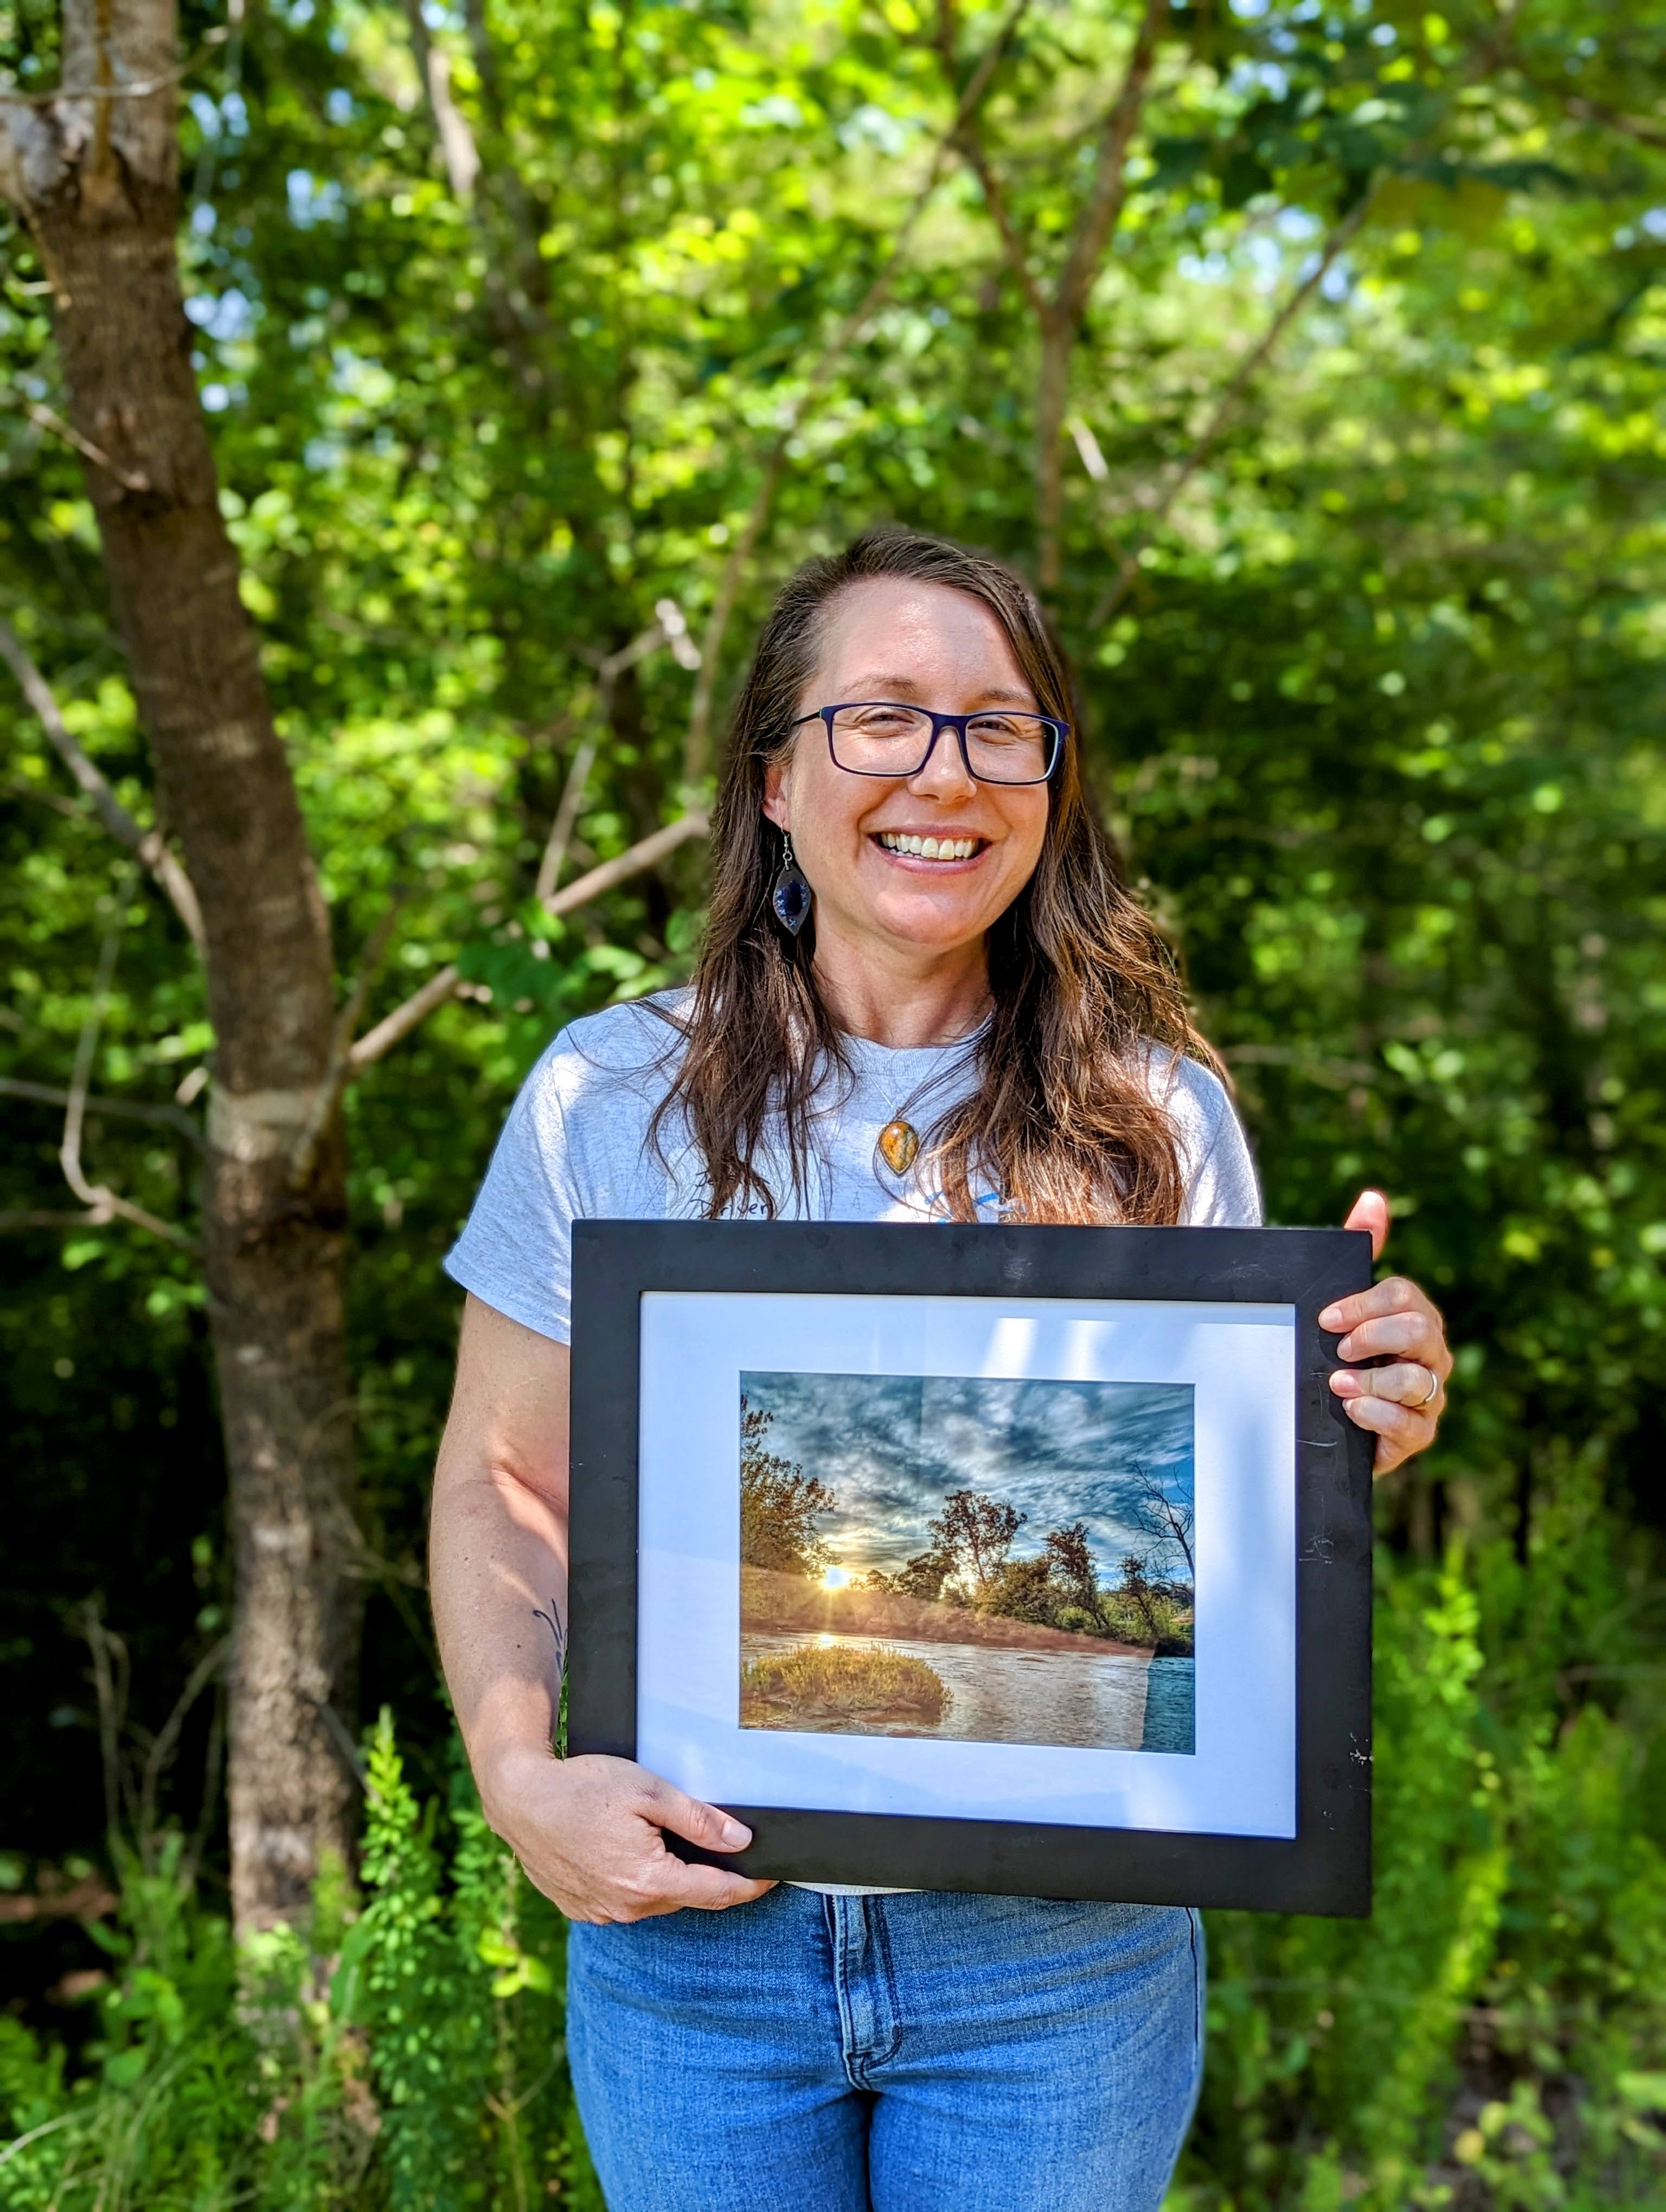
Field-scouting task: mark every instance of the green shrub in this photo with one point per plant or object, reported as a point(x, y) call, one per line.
point(405, 2053)
point(1495, 2035)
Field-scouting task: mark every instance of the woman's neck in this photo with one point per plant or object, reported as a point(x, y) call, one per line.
point(899, 1000)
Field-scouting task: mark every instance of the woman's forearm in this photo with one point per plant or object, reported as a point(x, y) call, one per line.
point(499, 1585)
point(588, 1832)
point(498, 1541)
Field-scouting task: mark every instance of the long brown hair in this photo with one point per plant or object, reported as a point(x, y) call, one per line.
point(1064, 1120)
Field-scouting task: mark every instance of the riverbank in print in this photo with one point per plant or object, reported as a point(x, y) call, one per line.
point(984, 1559)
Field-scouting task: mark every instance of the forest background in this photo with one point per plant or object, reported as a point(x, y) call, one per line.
point(1309, 356)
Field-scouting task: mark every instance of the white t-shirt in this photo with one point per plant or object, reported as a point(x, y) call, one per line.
point(576, 1146)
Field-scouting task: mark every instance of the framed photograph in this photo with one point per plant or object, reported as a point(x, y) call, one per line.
point(1035, 1561)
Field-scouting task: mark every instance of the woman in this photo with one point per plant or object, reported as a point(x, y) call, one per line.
point(924, 994)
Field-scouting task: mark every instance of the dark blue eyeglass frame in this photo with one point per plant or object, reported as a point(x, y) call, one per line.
point(1057, 732)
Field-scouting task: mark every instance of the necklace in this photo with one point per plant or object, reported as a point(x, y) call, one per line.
point(899, 1141)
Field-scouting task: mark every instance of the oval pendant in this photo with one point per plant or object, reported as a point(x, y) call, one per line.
point(898, 1143)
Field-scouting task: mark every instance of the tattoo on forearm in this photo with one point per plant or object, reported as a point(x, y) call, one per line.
point(553, 1623)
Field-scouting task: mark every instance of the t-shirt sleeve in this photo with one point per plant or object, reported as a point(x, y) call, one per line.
point(516, 1248)
point(1221, 1187)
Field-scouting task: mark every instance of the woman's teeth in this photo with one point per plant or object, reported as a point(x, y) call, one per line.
point(929, 849)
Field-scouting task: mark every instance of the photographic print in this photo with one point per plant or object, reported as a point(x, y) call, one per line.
point(902, 1550)
point(993, 1560)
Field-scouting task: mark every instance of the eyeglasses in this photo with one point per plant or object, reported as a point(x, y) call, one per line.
point(879, 737)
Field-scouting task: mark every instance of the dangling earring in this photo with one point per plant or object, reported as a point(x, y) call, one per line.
point(790, 895)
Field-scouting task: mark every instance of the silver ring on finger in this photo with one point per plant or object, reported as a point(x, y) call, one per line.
point(1429, 1397)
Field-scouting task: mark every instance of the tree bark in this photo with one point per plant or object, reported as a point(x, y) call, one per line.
point(95, 178)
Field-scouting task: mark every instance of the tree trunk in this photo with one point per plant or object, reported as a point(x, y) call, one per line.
point(96, 181)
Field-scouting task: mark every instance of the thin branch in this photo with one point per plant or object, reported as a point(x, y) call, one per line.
point(566, 813)
point(646, 852)
point(43, 419)
point(1059, 313)
point(1335, 1073)
point(120, 1109)
point(336, 1072)
point(696, 746)
point(19, 1222)
point(457, 146)
point(668, 628)
point(443, 986)
point(341, 1740)
point(101, 1203)
point(1116, 590)
point(111, 1678)
point(393, 1028)
point(1481, 58)
point(1102, 209)
point(148, 844)
point(973, 153)
point(1632, 126)
point(40, 796)
point(162, 1748)
point(1646, 133)
point(1088, 446)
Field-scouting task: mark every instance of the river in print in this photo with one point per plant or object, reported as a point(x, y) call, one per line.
point(976, 1559)
point(1112, 1699)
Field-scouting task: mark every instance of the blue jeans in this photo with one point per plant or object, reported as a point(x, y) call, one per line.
point(888, 2054)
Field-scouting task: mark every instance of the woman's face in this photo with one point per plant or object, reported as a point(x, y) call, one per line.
point(924, 645)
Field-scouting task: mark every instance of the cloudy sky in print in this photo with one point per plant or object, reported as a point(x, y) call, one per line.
point(893, 1447)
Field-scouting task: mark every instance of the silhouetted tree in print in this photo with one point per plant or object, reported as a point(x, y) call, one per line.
point(1070, 1566)
point(924, 1576)
point(1167, 1521)
point(1136, 1587)
point(780, 1503)
point(975, 1533)
point(1022, 1590)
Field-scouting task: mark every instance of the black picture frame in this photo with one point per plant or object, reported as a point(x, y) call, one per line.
point(1326, 1868)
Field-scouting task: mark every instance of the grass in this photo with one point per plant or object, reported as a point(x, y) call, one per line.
point(846, 1680)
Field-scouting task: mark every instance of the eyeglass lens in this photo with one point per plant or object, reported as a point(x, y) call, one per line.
point(894, 740)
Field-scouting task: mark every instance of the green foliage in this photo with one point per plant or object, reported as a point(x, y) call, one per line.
point(405, 2055)
point(1499, 2024)
point(780, 1503)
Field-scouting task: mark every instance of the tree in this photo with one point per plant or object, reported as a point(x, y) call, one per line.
point(924, 1575)
point(1167, 1521)
point(1022, 1590)
point(780, 1505)
point(975, 1534)
point(1136, 1587)
point(1070, 1562)
point(96, 179)
point(93, 173)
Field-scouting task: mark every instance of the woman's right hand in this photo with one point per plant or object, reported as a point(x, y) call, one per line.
point(587, 1833)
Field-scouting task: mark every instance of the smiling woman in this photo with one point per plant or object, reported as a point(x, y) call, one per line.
point(896, 693)
point(925, 995)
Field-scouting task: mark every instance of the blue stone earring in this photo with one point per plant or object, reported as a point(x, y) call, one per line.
point(790, 895)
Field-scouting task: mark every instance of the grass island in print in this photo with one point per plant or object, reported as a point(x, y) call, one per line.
point(998, 1561)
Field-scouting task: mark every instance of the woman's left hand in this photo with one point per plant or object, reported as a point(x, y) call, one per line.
point(1401, 1403)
